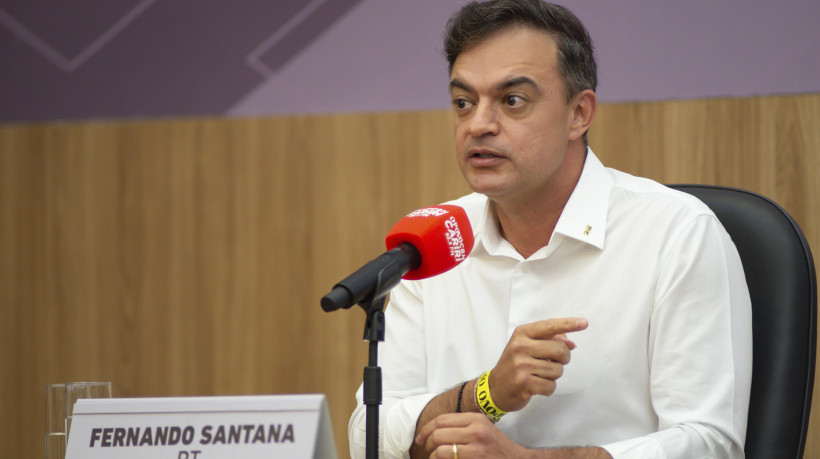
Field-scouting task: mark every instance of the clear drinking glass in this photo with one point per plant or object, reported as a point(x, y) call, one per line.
point(60, 399)
point(55, 421)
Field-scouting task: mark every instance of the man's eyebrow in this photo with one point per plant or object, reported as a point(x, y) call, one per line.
point(456, 83)
point(504, 85)
point(516, 81)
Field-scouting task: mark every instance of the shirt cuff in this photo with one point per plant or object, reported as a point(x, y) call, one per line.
point(637, 448)
point(400, 425)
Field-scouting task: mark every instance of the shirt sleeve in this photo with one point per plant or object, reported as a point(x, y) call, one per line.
point(700, 349)
point(404, 378)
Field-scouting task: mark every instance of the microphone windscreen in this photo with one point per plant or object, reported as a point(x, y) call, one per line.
point(442, 235)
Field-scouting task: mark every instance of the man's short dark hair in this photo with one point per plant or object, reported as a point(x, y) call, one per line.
point(478, 20)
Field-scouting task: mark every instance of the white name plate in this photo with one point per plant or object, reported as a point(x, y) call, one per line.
point(273, 426)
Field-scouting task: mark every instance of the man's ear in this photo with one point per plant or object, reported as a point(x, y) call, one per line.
point(584, 105)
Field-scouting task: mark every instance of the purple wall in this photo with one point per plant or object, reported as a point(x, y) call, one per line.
point(136, 58)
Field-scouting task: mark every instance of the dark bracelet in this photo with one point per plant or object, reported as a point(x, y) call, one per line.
point(460, 393)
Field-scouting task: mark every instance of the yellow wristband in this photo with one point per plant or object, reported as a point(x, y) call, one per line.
point(483, 399)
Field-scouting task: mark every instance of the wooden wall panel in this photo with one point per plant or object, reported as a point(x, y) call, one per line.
point(187, 257)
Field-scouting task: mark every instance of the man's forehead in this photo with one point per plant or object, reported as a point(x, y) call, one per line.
point(511, 52)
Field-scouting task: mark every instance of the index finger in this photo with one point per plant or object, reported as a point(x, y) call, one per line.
point(548, 328)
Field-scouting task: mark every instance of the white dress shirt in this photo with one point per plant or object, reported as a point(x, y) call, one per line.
point(664, 368)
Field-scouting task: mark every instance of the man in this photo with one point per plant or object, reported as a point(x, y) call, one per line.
point(612, 312)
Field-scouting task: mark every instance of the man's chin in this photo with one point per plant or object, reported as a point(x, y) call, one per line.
point(491, 192)
point(484, 183)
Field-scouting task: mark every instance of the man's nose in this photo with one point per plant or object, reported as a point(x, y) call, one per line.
point(484, 120)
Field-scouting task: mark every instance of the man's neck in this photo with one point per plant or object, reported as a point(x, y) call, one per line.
point(528, 224)
point(529, 229)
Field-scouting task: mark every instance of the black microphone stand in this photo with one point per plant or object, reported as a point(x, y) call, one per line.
point(372, 380)
point(368, 287)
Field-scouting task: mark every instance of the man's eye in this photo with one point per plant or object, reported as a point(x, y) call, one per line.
point(513, 101)
point(461, 104)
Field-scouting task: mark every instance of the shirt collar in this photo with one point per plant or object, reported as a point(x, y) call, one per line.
point(583, 218)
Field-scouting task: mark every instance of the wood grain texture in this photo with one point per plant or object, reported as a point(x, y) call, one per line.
point(187, 257)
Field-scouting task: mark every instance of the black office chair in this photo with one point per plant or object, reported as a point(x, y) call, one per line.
point(780, 273)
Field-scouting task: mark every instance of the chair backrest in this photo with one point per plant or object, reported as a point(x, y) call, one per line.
point(780, 274)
